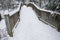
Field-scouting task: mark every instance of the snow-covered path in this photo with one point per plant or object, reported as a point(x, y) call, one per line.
point(30, 28)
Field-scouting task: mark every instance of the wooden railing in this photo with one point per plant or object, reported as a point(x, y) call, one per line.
point(12, 20)
point(49, 17)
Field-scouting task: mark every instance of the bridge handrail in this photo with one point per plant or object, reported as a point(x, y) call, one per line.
point(51, 18)
point(11, 19)
point(52, 12)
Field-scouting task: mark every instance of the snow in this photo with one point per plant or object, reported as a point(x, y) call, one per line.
point(2, 24)
point(6, 12)
point(42, 9)
point(2, 13)
point(30, 28)
point(16, 10)
point(3, 30)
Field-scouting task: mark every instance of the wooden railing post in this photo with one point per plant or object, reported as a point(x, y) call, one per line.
point(9, 30)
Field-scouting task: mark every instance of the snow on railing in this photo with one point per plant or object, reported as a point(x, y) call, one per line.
point(12, 12)
point(11, 18)
point(49, 17)
point(42, 9)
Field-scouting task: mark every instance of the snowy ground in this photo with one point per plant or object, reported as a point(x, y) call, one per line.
point(30, 28)
point(3, 31)
point(2, 24)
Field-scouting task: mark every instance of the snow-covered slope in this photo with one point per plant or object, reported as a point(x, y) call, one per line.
point(30, 28)
point(2, 24)
point(3, 30)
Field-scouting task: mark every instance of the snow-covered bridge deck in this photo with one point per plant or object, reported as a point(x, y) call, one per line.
point(30, 28)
